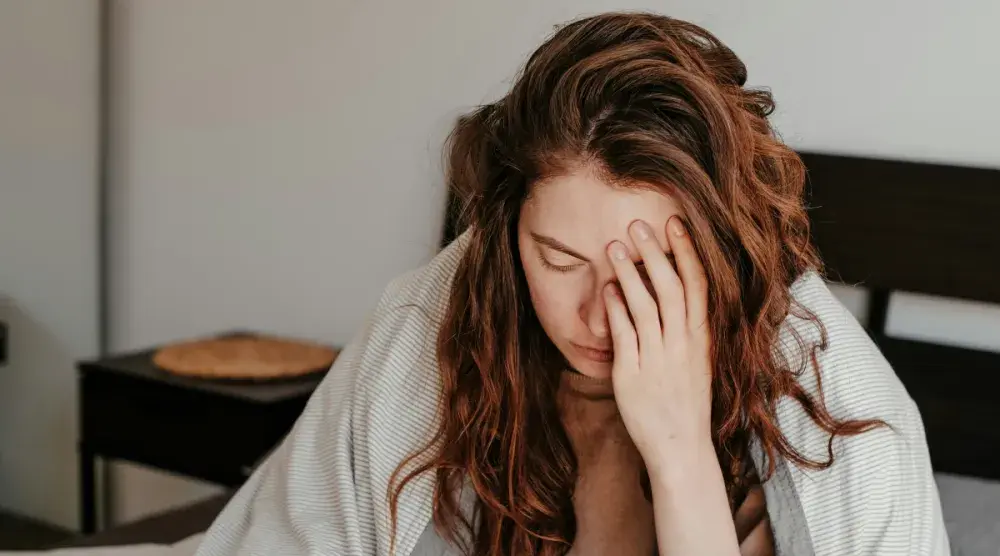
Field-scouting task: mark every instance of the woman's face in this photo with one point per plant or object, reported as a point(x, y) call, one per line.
point(563, 235)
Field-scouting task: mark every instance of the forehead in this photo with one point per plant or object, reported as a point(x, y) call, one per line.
point(584, 212)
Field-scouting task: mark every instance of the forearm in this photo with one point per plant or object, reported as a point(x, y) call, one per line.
point(691, 506)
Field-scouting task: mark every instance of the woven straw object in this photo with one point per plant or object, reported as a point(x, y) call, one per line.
point(248, 357)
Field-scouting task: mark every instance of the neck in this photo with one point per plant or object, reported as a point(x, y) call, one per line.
point(587, 386)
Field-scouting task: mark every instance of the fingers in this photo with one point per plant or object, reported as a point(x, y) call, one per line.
point(623, 337)
point(681, 288)
point(666, 283)
point(691, 272)
point(640, 302)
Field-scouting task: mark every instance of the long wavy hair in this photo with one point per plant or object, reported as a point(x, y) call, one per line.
point(649, 101)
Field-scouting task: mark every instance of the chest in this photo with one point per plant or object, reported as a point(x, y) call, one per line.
point(613, 512)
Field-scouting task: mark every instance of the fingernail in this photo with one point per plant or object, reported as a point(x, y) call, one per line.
point(641, 230)
point(618, 251)
point(677, 227)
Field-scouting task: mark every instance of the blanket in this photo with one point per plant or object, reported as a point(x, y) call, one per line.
point(323, 491)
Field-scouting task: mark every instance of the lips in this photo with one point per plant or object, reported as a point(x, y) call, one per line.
point(595, 354)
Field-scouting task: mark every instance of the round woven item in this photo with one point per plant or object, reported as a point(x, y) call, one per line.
point(244, 358)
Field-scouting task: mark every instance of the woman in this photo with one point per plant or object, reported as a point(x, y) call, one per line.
point(629, 351)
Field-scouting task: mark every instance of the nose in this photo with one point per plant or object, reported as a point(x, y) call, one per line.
point(594, 313)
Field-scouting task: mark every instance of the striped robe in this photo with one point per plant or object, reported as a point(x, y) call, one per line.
point(324, 489)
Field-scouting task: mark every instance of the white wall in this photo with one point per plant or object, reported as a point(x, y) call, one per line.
point(279, 162)
point(48, 245)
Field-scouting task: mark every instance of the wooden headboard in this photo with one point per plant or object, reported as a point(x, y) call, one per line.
point(922, 228)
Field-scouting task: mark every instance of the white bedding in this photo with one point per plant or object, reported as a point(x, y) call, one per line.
point(971, 509)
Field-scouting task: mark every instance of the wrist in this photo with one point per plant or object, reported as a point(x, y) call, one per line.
point(683, 463)
point(690, 503)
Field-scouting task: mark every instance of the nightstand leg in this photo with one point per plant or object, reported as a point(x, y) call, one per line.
point(88, 492)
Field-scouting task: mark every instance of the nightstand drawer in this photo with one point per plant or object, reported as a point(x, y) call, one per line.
point(211, 437)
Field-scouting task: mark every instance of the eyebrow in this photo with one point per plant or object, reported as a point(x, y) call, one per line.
point(553, 243)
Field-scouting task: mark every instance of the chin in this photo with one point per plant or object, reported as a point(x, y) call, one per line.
point(593, 369)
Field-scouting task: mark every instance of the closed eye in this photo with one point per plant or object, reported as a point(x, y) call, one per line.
point(555, 267)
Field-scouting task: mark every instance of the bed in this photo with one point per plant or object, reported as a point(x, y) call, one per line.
point(887, 226)
point(892, 226)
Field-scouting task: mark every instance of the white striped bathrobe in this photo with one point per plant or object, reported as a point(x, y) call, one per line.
point(324, 489)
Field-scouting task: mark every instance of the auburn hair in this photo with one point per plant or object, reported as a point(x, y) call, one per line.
point(647, 101)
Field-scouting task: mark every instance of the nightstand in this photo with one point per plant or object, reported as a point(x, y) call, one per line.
point(215, 431)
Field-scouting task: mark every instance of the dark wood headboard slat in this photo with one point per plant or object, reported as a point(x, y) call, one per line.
point(956, 390)
point(924, 228)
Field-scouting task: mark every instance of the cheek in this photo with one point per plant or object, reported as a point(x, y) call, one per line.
point(555, 299)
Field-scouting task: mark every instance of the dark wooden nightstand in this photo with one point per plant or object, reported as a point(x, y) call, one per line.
point(211, 430)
